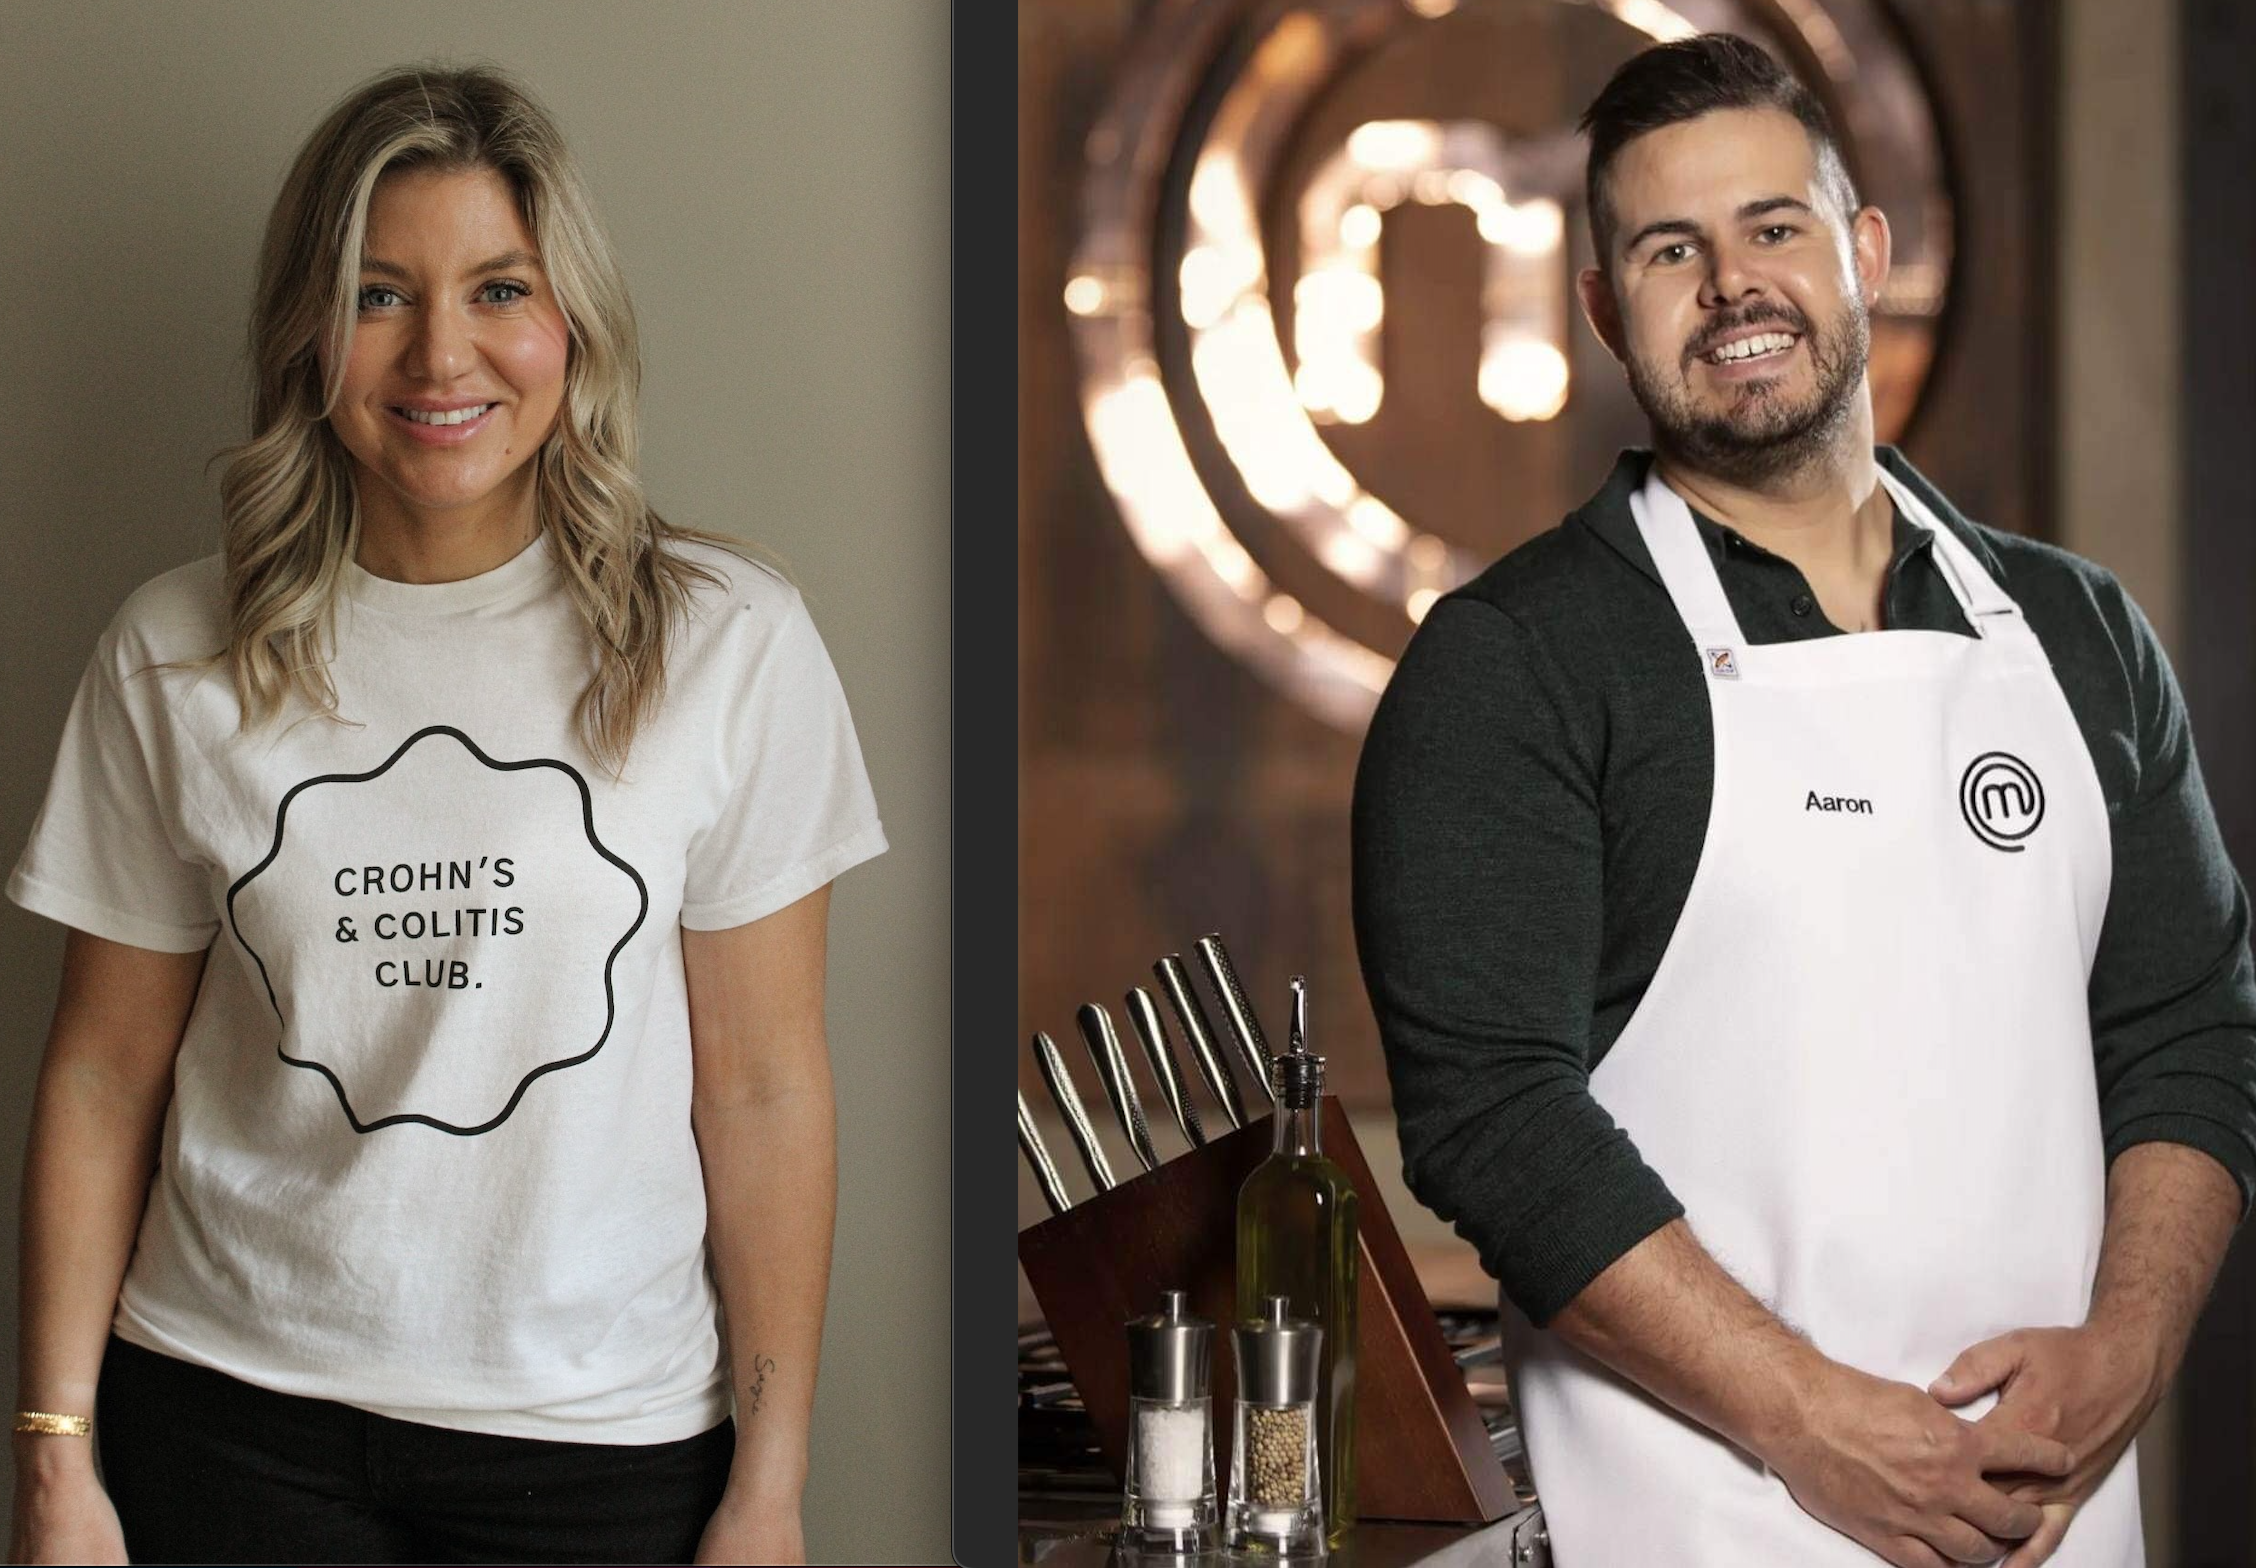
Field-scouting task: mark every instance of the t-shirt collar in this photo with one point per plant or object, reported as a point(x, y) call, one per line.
point(527, 570)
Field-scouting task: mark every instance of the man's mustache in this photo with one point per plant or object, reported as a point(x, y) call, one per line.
point(1753, 315)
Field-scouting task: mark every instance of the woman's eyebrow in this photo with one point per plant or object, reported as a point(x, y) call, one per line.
point(507, 259)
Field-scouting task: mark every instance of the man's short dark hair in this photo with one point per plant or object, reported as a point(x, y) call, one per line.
point(1674, 82)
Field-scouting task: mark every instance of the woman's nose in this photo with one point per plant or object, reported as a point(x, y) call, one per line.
point(442, 346)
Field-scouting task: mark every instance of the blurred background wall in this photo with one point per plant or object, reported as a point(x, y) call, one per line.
point(1189, 722)
point(775, 178)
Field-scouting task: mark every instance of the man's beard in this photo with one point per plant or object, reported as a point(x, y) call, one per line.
point(1765, 432)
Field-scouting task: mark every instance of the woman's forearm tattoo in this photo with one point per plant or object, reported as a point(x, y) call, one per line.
point(761, 1367)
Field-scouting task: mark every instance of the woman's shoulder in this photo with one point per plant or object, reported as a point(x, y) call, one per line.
point(748, 629)
point(178, 615)
point(731, 587)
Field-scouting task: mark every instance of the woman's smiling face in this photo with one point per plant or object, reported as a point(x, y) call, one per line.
point(456, 370)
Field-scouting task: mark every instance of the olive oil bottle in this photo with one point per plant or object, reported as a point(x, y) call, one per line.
point(1296, 1239)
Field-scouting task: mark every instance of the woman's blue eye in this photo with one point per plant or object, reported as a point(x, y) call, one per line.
point(512, 291)
point(368, 296)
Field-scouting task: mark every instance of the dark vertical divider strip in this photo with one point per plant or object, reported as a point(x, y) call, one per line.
point(2043, 86)
point(2217, 1387)
point(984, 858)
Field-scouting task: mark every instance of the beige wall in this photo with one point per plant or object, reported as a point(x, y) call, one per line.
point(2119, 373)
point(776, 180)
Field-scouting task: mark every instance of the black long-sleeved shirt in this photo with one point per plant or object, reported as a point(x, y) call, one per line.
point(1531, 805)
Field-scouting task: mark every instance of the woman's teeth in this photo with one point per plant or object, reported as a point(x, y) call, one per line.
point(1749, 348)
point(458, 416)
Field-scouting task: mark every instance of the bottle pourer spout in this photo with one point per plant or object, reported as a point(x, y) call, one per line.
point(1298, 1075)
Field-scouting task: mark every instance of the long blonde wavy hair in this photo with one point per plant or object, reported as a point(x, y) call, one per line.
point(289, 516)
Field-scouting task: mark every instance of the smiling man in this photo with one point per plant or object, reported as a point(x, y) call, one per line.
point(1807, 962)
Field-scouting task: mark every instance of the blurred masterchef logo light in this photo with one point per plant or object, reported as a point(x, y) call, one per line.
point(1178, 165)
point(1339, 303)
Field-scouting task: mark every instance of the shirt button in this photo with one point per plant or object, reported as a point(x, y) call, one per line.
point(1802, 604)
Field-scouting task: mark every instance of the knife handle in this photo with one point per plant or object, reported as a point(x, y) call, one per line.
point(1103, 1042)
point(1068, 1101)
point(1175, 980)
point(1237, 1010)
point(1037, 1155)
point(1143, 1017)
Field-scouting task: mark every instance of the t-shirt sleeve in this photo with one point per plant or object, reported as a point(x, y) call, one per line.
point(799, 809)
point(2173, 988)
point(1478, 896)
point(102, 856)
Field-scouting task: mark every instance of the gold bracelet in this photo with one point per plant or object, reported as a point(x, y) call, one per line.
point(53, 1426)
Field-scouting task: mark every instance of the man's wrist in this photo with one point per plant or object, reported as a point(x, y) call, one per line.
point(1777, 1406)
point(2141, 1343)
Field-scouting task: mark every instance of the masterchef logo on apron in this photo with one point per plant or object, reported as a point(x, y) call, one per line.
point(2002, 800)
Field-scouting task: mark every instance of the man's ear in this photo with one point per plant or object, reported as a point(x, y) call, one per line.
point(1871, 248)
point(1601, 310)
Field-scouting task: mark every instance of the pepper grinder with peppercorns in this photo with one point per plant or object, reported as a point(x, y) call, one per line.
point(1276, 1501)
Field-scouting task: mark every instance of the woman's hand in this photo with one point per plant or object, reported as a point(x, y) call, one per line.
point(62, 1513)
point(745, 1529)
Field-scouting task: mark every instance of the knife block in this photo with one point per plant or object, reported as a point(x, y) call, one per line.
point(1421, 1452)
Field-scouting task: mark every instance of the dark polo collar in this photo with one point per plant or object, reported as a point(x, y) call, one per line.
point(1607, 515)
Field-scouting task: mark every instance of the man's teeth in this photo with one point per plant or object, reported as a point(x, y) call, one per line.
point(1748, 348)
point(453, 417)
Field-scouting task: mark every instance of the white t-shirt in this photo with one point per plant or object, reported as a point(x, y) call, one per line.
point(429, 1147)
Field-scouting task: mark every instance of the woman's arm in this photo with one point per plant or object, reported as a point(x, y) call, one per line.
point(96, 1119)
point(766, 1135)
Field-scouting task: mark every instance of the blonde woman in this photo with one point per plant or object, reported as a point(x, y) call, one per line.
point(434, 1141)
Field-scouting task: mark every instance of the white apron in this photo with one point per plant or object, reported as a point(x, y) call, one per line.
point(1864, 1064)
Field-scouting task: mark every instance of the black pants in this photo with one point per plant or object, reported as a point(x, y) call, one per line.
point(206, 1469)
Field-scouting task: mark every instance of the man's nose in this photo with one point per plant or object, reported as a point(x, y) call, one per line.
point(1730, 278)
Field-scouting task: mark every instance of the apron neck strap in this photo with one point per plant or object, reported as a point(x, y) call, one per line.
point(1688, 571)
point(1666, 525)
point(1977, 592)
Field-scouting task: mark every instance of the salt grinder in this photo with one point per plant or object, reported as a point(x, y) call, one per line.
point(1276, 1497)
point(1169, 1503)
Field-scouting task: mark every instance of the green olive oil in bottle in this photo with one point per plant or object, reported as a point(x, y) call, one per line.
point(1296, 1239)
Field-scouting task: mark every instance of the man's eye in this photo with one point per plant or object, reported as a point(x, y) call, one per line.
point(502, 292)
point(1669, 255)
point(1776, 233)
point(376, 296)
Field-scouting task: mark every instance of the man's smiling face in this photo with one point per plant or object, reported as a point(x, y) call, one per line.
point(1737, 290)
